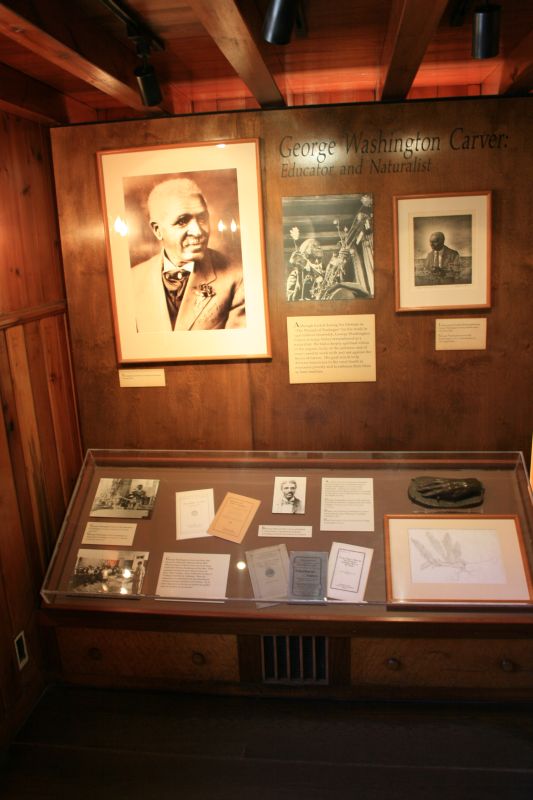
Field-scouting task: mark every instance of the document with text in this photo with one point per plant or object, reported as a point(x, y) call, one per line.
point(347, 504)
point(233, 517)
point(269, 572)
point(348, 569)
point(198, 576)
point(194, 513)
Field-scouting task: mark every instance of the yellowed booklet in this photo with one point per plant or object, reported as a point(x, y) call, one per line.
point(233, 517)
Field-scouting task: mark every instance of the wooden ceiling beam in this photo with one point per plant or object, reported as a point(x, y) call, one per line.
point(55, 32)
point(412, 26)
point(226, 26)
point(28, 98)
point(515, 75)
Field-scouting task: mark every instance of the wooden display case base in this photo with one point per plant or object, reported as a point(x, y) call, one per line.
point(446, 661)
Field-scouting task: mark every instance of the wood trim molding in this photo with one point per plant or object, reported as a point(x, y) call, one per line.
point(412, 26)
point(224, 23)
point(21, 317)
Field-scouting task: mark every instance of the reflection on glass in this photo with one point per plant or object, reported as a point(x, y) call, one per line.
point(121, 226)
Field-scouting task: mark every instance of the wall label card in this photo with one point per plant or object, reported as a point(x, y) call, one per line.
point(115, 533)
point(286, 531)
point(141, 377)
point(334, 349)
point(461, 334)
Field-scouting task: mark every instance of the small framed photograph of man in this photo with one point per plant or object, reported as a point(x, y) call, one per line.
point(289, 495)
point(442, 251)
point(184, 234)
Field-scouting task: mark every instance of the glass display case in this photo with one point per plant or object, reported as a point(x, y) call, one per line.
point(344, 534)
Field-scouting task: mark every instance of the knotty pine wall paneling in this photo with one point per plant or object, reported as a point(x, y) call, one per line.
point(422, 399)
point(30, 263)
point(17, 607)
point(40, 449)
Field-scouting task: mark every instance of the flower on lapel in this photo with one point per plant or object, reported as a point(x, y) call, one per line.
point(204, 292)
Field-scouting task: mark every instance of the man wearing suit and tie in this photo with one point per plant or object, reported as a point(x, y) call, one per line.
point(441, 261)
point(187, 285)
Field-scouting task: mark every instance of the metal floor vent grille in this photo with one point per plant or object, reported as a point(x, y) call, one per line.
point(295, 659)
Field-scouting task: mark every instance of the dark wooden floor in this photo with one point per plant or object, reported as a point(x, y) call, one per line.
point(100, 744)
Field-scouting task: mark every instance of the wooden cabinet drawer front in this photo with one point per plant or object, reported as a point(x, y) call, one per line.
point(465, 663)
point(148, 654)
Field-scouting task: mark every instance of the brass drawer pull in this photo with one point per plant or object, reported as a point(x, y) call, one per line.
point(394, 664)
point(507, 665)
point(199, 659)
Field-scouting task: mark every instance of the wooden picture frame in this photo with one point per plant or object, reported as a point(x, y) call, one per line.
point(223, 312)
point(459, 559)
point(442, 245)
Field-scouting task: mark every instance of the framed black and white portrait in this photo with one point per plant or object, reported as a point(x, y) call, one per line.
point(442, 251)
point(184, 234)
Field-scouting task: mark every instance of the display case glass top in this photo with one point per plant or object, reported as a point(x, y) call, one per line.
point(342, 533)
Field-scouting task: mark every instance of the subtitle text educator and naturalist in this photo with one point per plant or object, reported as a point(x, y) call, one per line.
point(186, 285)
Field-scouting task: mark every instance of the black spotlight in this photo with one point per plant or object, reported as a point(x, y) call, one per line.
point(279, 21)
point(148, 84)
point(486, 31)
point(146, 78)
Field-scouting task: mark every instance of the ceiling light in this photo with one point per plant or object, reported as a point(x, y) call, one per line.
point(144, 39)
point(147, 82)
point(279, 21)
point(486, 31)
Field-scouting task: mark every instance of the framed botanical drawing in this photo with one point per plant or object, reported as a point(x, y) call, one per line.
point(184, 233)
point(442, 251)
point(458, 559)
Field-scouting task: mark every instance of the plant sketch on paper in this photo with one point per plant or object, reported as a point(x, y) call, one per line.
point(455, 556)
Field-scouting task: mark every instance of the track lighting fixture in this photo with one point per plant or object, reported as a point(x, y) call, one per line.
point(279, 21)
point(144, 39)
point(486, 31)
point(147, 82)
